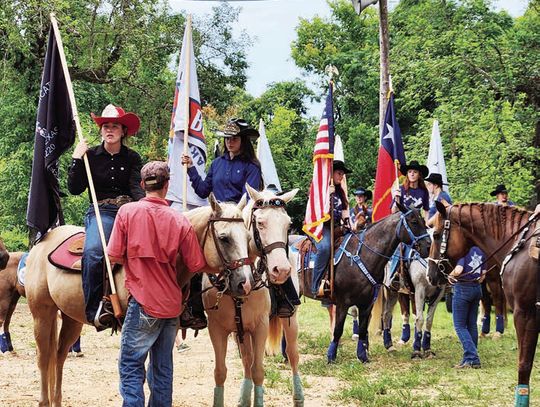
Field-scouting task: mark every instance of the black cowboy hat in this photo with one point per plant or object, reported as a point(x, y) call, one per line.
point(362, 191)
point(415, 165)
point(501, 188)
point(238, 127)
point(340, 165)
point(435, 178)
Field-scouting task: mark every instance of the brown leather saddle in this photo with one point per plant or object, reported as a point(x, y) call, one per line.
point(68, 254)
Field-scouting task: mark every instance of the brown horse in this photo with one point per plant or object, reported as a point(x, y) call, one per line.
point(49, 289)
point(504, 234)
point(10, 292)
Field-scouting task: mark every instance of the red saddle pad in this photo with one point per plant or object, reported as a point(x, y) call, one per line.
point(67, 253)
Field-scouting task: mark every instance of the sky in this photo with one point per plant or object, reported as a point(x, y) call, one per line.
point(271, 25)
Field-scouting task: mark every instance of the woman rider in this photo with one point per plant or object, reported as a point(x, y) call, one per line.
point(434, 184)
point(227, 178)
point(115, 171)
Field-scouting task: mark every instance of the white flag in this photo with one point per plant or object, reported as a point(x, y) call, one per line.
point(196, 140)
point(338, 155)
point(264, 154)
point(435, 161)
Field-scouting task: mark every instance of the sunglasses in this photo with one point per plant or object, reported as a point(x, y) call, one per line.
point(275, 202)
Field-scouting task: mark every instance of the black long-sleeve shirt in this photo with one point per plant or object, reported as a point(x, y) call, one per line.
point(113, 174)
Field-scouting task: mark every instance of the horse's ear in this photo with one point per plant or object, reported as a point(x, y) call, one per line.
point(402, 208)
point(242, 204)
point(289, 195)
point(441, 208)
point(253, 193)
point(214, 204)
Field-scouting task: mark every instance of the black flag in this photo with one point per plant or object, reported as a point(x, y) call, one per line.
point(55, 133)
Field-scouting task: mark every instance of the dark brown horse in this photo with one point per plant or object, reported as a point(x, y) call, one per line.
point(10, 292)
point(504, 234)
point(4, 255)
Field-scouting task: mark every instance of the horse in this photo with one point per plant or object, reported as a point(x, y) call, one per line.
point(505, 234)
point(10, 292)
point(246, 312)
point(492, 294)
point(359, 270)
point(4, 255)
point(49, 289)
point(425, 292)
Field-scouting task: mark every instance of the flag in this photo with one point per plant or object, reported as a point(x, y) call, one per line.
point(264, 154)
point(338, 155)
point(55, 133)
point(435, 161)
point(391, 156)
point(196, 140)
point(318, 206)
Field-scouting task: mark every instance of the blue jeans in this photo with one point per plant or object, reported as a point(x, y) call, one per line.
point(321, 258)
point(143, 335)
point(92, 259)
point(465, 312)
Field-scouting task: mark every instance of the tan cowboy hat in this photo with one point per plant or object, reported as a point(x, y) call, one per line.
point(115, 114)
point(238, 127)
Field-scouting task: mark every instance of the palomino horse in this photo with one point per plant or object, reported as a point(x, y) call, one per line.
point(359, 271)
point(246, 311)
point(425, 292)
point(10, 292)
point(49, 289)
point(505, 234)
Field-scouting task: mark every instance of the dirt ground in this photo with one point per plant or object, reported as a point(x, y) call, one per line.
point(92, 380)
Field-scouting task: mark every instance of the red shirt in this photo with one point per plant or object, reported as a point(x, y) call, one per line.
point(149, 235)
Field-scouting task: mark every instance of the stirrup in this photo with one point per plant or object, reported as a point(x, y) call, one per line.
point(324, 289)
point(104, 316)
point(189, 321)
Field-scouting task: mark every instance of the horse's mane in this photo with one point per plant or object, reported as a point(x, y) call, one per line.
point(497, 220)
point(199, 216)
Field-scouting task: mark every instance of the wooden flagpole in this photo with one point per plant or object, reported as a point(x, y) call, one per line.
point(114, 296)
point(332, 271)
point(187, 123)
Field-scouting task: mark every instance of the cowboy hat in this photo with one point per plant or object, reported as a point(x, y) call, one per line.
point(415, 165)
point(240, 128)
point(115, 114)
point(501, 189)
point(435, 178)
point(362, 191)
point(340, 165)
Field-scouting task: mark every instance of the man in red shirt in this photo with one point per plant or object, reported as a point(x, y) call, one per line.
point(146, 238)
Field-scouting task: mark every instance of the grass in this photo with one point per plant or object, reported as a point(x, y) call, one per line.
point(393, 379)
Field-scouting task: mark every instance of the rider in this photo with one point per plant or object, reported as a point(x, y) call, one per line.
point(115, 171)
point(227, 178)
point(341, 218)
point(361, 212)
point(147, 238)
point(434, 184)
point(502, 195)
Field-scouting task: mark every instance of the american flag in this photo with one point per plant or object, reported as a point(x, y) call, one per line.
point(318, 206)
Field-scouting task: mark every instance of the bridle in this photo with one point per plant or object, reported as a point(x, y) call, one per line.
point(443, 259)
point(403, 223)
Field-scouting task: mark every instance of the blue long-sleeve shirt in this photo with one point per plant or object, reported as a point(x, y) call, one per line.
point(226, 178)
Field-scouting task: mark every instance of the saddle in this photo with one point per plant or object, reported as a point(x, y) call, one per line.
point(68, 254)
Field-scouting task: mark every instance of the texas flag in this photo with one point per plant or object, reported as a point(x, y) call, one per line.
point(391, 157)
point(196, 140)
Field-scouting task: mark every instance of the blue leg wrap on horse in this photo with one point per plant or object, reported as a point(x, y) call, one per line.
point(332, 351)
point(3, 343)
point(219, 394)
point(499, 324)
point(361, 350)
point(245, 393)
point(10, 345)
point(259, 397)
point(76, 347)
point(417, 340)
point(486, 322)
point(426, 341)
point(522, 395)
point(355, 327)
point(284, 347)
point(298, 391)
point(387, 338)
point(405, 333)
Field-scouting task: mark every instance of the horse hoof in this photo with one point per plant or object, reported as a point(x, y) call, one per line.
point(378, 332)
point(400, 342)
point(497, 336)
point(429, 354)
point(416, 355)
point(483, 335)
point(355, 337)
point(391, 349)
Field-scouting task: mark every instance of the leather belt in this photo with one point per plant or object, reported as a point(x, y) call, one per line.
point(118, 201)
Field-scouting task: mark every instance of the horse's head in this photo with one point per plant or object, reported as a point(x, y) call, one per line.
point(447, 246)
point(270, 223)
point(412, 231)
point(4, 255)
point(228, 249)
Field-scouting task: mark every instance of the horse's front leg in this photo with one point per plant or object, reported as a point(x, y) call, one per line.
point(219, 336)
point(426, 341)
point(527, 333)
point(486, 302)
point(362, 347)
point(7, 307)
point(404, 305)
point(246, 352)
point(257, 370)
point(420, 297)
point(341, 314)
point(290, 329)
point(390, 300)
point(499, 300)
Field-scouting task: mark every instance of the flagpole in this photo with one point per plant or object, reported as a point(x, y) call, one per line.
point(186, 106)
point(332, 201)
point(114, 297)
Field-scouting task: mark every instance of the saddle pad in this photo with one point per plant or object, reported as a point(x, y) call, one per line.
point(534, 248)
point(21, 269)
point(64, 258)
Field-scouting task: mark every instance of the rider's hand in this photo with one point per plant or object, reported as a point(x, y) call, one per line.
point(80, 149)
point(186, 160)
point(332, 188)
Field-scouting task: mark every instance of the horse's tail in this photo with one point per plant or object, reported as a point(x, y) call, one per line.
point(376, 314)
point(52, 359)
point(273, 342)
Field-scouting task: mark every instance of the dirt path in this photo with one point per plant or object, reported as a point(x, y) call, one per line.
point(93, 379)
